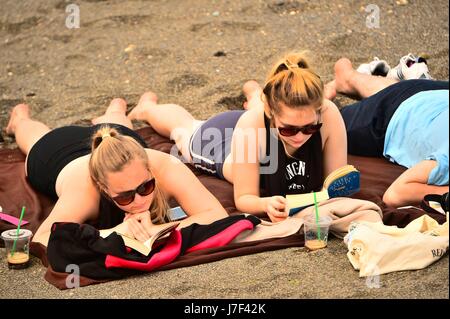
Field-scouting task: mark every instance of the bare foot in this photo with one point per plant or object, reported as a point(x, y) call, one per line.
point(343, 72)
point(330, 90)
point(147, 99)
point(252, 91)
point(117, 105)
point(19, 112)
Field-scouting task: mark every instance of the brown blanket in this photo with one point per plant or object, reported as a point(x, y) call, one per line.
point(376, 175)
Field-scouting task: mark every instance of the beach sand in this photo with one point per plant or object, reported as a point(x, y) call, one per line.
point(199, 53)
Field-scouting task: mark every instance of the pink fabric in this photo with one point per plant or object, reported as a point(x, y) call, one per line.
point(224, 237)
point(170, 252)
point(12, 220)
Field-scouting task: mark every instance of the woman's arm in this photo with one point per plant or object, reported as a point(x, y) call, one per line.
point(410, 187)
point(74, 207)
point(334, 138)
point(178, 181)
point(245, 169)
point(78, 203)
point(245, 164)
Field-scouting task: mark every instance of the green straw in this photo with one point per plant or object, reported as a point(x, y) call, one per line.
point(317, 216)
point(18, 230)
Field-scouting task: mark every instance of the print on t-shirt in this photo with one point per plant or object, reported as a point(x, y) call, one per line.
point(294, 169)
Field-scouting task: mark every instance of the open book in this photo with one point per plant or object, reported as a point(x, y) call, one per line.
point(145, 247)
point(342, 182)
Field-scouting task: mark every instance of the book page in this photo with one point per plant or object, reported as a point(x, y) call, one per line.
point(301, 200)
point(164, 232)
point(143, 247)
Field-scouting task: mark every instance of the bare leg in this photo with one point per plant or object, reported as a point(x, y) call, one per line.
point(115, 113)
point(252, 91)
point(26, 130)
point(169, 120)
point(350, 82)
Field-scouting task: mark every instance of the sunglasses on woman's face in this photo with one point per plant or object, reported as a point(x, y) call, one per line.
point(293, 130)
point(126, 198)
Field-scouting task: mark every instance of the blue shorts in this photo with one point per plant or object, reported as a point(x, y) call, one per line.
point(366, 121)
point(210, 144)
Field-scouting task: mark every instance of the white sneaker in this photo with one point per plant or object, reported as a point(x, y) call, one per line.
point(376, 67)
point(410, 67)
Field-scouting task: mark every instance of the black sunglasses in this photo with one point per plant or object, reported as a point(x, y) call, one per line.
point(293, 130)
point(126, 198)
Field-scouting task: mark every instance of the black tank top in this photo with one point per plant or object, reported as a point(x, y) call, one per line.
point(302, 173)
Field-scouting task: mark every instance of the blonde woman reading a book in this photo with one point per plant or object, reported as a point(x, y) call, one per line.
point(104, 175)
point(287, 140)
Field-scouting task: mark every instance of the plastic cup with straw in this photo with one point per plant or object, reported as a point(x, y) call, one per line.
point(316, 228)
point(319, 236)
point(18, 231)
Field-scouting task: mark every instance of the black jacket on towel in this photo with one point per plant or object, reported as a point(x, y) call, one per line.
point(108, 258)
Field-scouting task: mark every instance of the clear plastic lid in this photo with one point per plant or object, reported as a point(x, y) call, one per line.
point(324, 220)
point(11, 234)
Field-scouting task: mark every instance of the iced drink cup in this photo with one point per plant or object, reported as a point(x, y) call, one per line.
point(316, 232)
point(17, 248)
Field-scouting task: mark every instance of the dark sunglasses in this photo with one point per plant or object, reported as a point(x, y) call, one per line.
point(293, 130)
point(126, 198)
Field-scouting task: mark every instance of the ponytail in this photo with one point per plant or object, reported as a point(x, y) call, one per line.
point(294, 84)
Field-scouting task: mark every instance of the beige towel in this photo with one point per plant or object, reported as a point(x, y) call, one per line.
point(342, 210)
point(376, 249)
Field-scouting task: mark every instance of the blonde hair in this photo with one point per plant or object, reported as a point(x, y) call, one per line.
point(111, 152)
point(294, 84)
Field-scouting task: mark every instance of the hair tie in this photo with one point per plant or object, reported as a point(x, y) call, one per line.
point(105, 135)
point(291, 65)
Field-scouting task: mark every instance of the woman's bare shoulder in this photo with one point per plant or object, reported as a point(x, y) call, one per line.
point(77, 192)
point(160, 161)
point(331, 116)
point(329, 109)
point(159, 156)
point(76, 175)
point(333, 124)
point(252, 118)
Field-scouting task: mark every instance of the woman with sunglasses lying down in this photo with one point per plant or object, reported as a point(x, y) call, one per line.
point(286, 142)
point(104, 175)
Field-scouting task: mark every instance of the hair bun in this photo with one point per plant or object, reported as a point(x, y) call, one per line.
point(302, 64)
point(96, 141)
point(101, 134)
point(299, 63)
point(293, 83)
